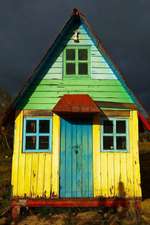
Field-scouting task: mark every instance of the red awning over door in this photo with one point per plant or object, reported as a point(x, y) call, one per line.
point(76, 103)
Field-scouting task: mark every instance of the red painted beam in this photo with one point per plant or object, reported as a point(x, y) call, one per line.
point(77, 203)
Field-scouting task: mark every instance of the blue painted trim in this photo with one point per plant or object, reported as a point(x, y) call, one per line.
point(37, 134)
point(115, 134)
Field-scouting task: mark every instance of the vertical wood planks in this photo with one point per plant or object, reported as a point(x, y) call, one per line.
point(74, 159)
point(62, 159)
point(78, 162)
point(14, 177)
point(104, 174)
point(27, 182)
point(31, 172)
point(76, 170)
point(34, 174)
point(21, 157)
point(68, 160)
point(135, 155)
point(41, 175)
point(110, 174)
point(89, 162)
point(55, 154)
point(37, 174)
point(123, 174)
point(96, 156)
point(48, 174)
point(117, 173)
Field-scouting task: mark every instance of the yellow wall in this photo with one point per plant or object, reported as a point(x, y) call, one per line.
point(117, 174)
point(37, 174)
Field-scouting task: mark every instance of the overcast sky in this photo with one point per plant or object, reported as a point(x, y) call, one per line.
point(28, 28)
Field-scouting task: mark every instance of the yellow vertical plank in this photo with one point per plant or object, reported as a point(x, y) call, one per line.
point(14, 176)
point(110, 172)
point(27, 182)
point(116, 173)
point(104, 173)
point(41, 175)
point(48, 175)
point(123, 175)
point(34, 174)
point(21, 164)
point(55, 154)
point(96, 156)
point(136, 165)
point(130, 176)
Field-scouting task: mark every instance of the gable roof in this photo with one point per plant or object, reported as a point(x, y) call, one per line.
point(76, 19)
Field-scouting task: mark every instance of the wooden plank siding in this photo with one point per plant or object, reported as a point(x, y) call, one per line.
point(113, 171)
point(37, 174)
point(47, 93)
point(102, 83)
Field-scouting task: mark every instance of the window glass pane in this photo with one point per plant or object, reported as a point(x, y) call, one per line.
point(108, 143)
point(82, 54)
point(43, 126)
point(70, 68)
point(108, 126)
point(121, 142)
point(83, 68)
point(43, 142)
point(121, 126)
point(70, 54)
point(30, 126)
point(30, 143)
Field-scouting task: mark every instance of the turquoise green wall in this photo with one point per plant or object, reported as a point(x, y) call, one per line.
point(101, 85)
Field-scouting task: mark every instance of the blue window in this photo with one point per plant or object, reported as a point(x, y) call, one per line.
point(37, 135)
point(114, 135)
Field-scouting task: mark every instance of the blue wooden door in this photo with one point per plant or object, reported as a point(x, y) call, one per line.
point(76, 160)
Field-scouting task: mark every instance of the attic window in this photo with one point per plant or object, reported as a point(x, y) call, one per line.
point(37, 135)
point(76, 61)
point(114, 135)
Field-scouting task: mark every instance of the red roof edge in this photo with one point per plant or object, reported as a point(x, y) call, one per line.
point(145, 122)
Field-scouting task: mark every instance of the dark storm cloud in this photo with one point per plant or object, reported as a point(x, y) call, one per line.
point(27, 28)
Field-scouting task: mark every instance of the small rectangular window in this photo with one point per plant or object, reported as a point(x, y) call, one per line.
point(37, 134)
point(76, 61)
point(115, 134)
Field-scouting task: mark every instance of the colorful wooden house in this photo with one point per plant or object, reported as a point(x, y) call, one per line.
point(76, 126)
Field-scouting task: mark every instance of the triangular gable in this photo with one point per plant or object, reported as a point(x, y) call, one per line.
point(75, 20)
